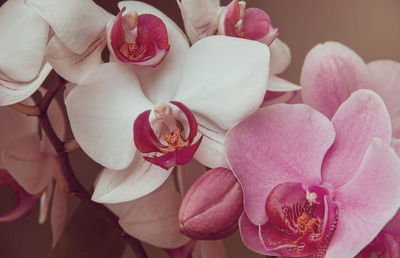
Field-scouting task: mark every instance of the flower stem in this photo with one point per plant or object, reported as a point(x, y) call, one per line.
point(74, 187)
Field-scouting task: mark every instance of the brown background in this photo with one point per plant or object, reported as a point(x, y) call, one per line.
point(370, 27)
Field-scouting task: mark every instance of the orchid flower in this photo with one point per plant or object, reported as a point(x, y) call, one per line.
point(28, 165)
point(202, 18)
point(332, 71)
point(27, 50)
point(386, 243)
point(314, 187)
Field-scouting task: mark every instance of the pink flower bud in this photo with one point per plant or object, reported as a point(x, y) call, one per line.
point(212, 206)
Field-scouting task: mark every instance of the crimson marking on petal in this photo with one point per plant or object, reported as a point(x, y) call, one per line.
point(185, 154)
point(144, 137)
point(191, 120)
point(231, 18)
point(25, 201)
point(165, 161)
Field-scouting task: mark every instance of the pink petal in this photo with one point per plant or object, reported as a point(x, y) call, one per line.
point(385, 80)
point(395, 144)
point(199, 18)
point(367, 201)
point(25, 201)
point(12, 92)
point(58, 213)
point(32, 169)
point(204, 78)
point(256, 25)
point(331, 72)
point(160, 83)
point(250, 235)
point(102, 109)
point(154, 218)
point(137, 180)
point(70, 65)
point(257, 151)
point(358, 120)
point(77, 23)
point(24, 36)
point(280, 56)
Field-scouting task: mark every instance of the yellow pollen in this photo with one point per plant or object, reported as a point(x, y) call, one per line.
point(305, 224)
point(174, 139)
point(133, 51)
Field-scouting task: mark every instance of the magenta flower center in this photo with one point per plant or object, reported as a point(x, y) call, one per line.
point(301, 222)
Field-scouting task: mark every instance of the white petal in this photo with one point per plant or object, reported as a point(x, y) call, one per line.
point(24, 37)
point(154, 218)
point(160, 83)
point(280, 56)
point(70, 65)
point(224, 78)
point(278, 84)
point(12, 92)
point(77, 23)
point(102, 110)
point(137, 180)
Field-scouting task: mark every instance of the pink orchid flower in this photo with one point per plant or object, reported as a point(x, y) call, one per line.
point(202, 18)
point(332, 71)
point(386, 243)
point(314, 187)
point(28, 165)
point(103, 107)
point(27, 50)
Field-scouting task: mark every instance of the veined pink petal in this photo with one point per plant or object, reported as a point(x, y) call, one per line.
point(137, 180)
point(24, 36)
point(154, 218)
point(395, 144)
point(204, 78)
point(211, 150)
point(160, 83)
point(367, 201)
point(25, 201)
point(260, 157)
point(102, 109)
point(149, 45)
point(32, 169)
point(199, 18)
point(250, 234)
point(385, 80)
point(280, 56)
point(358, 120)
point(58, 213)
point(331, 72)
point(71, 66)
point(78, 23)
point(12, 92)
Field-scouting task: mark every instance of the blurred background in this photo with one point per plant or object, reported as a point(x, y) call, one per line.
point(370, 27)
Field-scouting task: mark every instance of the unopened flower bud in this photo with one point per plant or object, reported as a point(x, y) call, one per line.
point(212, 206)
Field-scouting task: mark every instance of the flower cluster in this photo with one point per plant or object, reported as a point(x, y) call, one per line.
point(307, 170)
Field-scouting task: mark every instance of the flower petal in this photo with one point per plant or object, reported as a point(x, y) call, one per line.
point(24, 38)
point(250, 235)
point(154, 218)
point(280, 56)
point(385, 80)
point(25, 202)
point(102, 109)
point(367, 201)
point(205, 80)
point(58, 213)
point(258, 153)
point(77, 23)
point(358, 120)
point(137, 180)
point(160, 83)
point(395, 144)
point(278, 84)
point(211, 150)
point(12, 92)
point(32, 169)
point(70, 65)
point(331, 72)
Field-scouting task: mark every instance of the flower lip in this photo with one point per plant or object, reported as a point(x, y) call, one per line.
point(175, 147)
point(301, 222)
point(139, 39)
